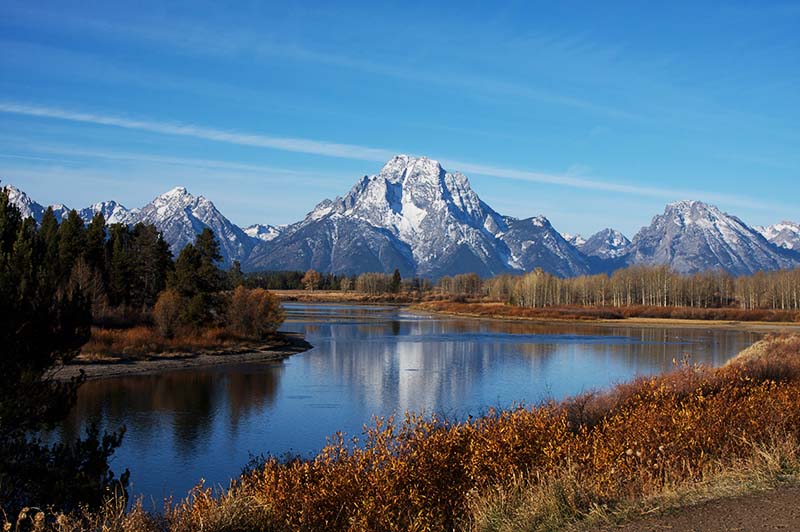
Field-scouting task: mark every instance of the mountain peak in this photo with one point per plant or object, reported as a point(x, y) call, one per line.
point(176, 192)
point(692, 236)
point(401, 166)
point(606, 244)
point(785, 234)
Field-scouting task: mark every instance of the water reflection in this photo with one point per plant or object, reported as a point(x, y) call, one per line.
point(367, 361)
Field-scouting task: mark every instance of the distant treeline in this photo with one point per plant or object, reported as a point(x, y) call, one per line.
point(654, 286)
point(636, 286)
point(368, 283)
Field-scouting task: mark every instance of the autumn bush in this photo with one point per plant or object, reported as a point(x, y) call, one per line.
point(526, 468)
point(167, 312)
point(254, 313)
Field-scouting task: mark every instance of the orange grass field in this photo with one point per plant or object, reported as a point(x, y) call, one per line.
point(642, 445)
point(145, 340)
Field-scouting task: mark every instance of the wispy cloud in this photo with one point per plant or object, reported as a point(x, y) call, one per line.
point(605, 186)
point(159, 160)
point(330, 149)
point(350, 151)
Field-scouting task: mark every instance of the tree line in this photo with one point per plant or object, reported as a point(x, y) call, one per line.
point(56, 281)
point(655, 286)
point(45, 317)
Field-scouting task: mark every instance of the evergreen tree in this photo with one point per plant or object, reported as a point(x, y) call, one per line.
point(235, 275)
point(151, 265)
point(118, 259)
point(71, 242)
point(95, 251)
point(42, 327)
point(186, 277)
point(48, 237)
point(396, 280)
point(209, 274)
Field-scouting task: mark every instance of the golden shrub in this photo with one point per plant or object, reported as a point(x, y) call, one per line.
point(254, 313)
point(168, 311)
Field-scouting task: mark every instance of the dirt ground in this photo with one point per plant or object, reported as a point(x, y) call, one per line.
point(771, 510)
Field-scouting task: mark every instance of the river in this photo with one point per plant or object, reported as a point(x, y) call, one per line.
point(367, 360)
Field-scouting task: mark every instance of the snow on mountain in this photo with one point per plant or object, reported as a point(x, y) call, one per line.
point(784, 234)
point(180, 217)
point(113, 212)
point(691, 236)
point(534, 243)
point(29, 207)
point(605, 244)
point(262, 232)
point(575, 240)
point(416, 216)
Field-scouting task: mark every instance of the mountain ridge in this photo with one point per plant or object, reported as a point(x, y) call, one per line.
point(416, 216)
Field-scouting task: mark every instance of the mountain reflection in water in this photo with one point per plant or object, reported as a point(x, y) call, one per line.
point(206, 422)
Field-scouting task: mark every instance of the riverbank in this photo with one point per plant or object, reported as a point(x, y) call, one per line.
point(604, 317)
point(598, 459)
point(339, 296)
point(281, 346)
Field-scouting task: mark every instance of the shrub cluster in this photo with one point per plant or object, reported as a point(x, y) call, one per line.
point(426, 473)
point(247, 313)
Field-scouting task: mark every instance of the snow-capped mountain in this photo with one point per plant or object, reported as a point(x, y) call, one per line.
point(416, 216)
point(413, 215)
point(534, 243)
point(605, 244)
point(575, 240)
point(180, 217)
point(691, 236)
point(29, 207)
point(113, 212)
point(263, 232)
point(784, 234)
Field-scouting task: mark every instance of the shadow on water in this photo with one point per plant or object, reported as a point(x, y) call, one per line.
point(207, 422)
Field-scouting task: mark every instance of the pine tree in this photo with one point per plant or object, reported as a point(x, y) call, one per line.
point(186, 277)
point(396, 280)
point(41, 327)
point(95, 250)
point(71, 242)
point(235, 275)
point(118, 260)
point(48, 236)
point(152, 262)
point(209, 274)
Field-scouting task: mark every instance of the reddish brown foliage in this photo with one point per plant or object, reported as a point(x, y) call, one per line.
point(423, 473)
point(500, 310)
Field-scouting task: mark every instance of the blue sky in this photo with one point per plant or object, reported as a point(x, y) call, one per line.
point(594, 114)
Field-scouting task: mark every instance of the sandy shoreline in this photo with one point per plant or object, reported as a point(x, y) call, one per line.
point(292, 345)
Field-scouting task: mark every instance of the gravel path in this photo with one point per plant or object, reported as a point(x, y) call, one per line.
point(772, 510)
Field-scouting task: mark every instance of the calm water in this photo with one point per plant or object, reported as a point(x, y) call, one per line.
point(206, 423)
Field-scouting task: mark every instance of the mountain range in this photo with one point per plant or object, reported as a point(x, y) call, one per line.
point(416, 216)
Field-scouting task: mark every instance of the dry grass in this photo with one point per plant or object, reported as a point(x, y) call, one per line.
point(145, 341)
point(577, 313)
point(655, 442)
point(501, 310)
point(339, 296)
